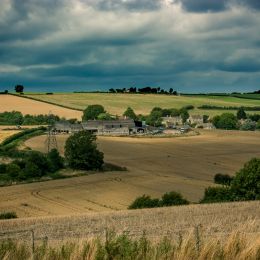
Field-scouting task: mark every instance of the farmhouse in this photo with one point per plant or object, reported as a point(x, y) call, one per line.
point(109, 127)
point(195, 119)
point(170, 121)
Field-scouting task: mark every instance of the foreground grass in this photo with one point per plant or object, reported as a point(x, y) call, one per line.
point(190, 246)
point(141, 103)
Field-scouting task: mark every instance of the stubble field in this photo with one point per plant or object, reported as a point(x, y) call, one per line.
point(155, 166)
point(32, 107)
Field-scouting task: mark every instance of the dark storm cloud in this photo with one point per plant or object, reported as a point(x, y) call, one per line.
point(183, 43)
point(216, 5)
point(204, 5)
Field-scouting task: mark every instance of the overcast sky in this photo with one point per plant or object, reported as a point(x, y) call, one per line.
point(189, 45)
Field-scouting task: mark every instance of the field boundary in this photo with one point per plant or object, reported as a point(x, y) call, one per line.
point(47, 102)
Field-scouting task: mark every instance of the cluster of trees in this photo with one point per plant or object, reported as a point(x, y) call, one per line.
point(155, 116)
point(17, 118)
point(168, 199)
point(245, 185)
point(230, 121)
point(80, 153)
point(93, 112)
point(34, 165)
point(145, 90)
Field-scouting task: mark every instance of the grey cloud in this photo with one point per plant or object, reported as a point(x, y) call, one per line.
point(115, 43)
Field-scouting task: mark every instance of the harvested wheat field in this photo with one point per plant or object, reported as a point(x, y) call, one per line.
point(213, 220)
point(6, 133)
point(155, 166)
point(33, 107)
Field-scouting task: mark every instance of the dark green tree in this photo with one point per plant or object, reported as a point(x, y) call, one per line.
point(92, 112)
point(19, 88)
point(241, 114)
point(226, 121)
point(155, 118)
point(104, 116)
point(130, 113)
point(184, 115)
point(81, 152)
point(56, 161)
point(246, 184)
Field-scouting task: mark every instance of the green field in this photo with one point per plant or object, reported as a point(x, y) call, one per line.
point(142, 104)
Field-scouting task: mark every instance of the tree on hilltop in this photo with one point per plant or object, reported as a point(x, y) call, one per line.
point(19, 88)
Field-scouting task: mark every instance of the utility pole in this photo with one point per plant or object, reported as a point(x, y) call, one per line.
point(51, 141)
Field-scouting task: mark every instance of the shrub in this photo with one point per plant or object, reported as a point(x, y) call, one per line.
point(248, 125)
point(30, 170)
point(258, 125)
point(173, 198)
point(2, 168)
point(217, 194)
point(8, 215)
point(55, 160)
point(12, 170)
point(224, 179)
point(144, 202)
point(40, 160)
point(81, 152)
point(168, 199)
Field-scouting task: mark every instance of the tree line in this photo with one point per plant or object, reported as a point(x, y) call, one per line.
point(144, 90)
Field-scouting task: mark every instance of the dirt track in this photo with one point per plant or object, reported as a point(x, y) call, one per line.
point(155, 166)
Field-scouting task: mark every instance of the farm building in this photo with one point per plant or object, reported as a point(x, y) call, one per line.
point(195, 119)
point(101, 127)
point(171, 121)
point(109, 127)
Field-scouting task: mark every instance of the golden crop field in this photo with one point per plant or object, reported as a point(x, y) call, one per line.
point(28, 106)
point(6, 133)
point(155, 166)
point(142, 104)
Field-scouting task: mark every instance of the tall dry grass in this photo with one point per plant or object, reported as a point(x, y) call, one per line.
point(237, 246)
